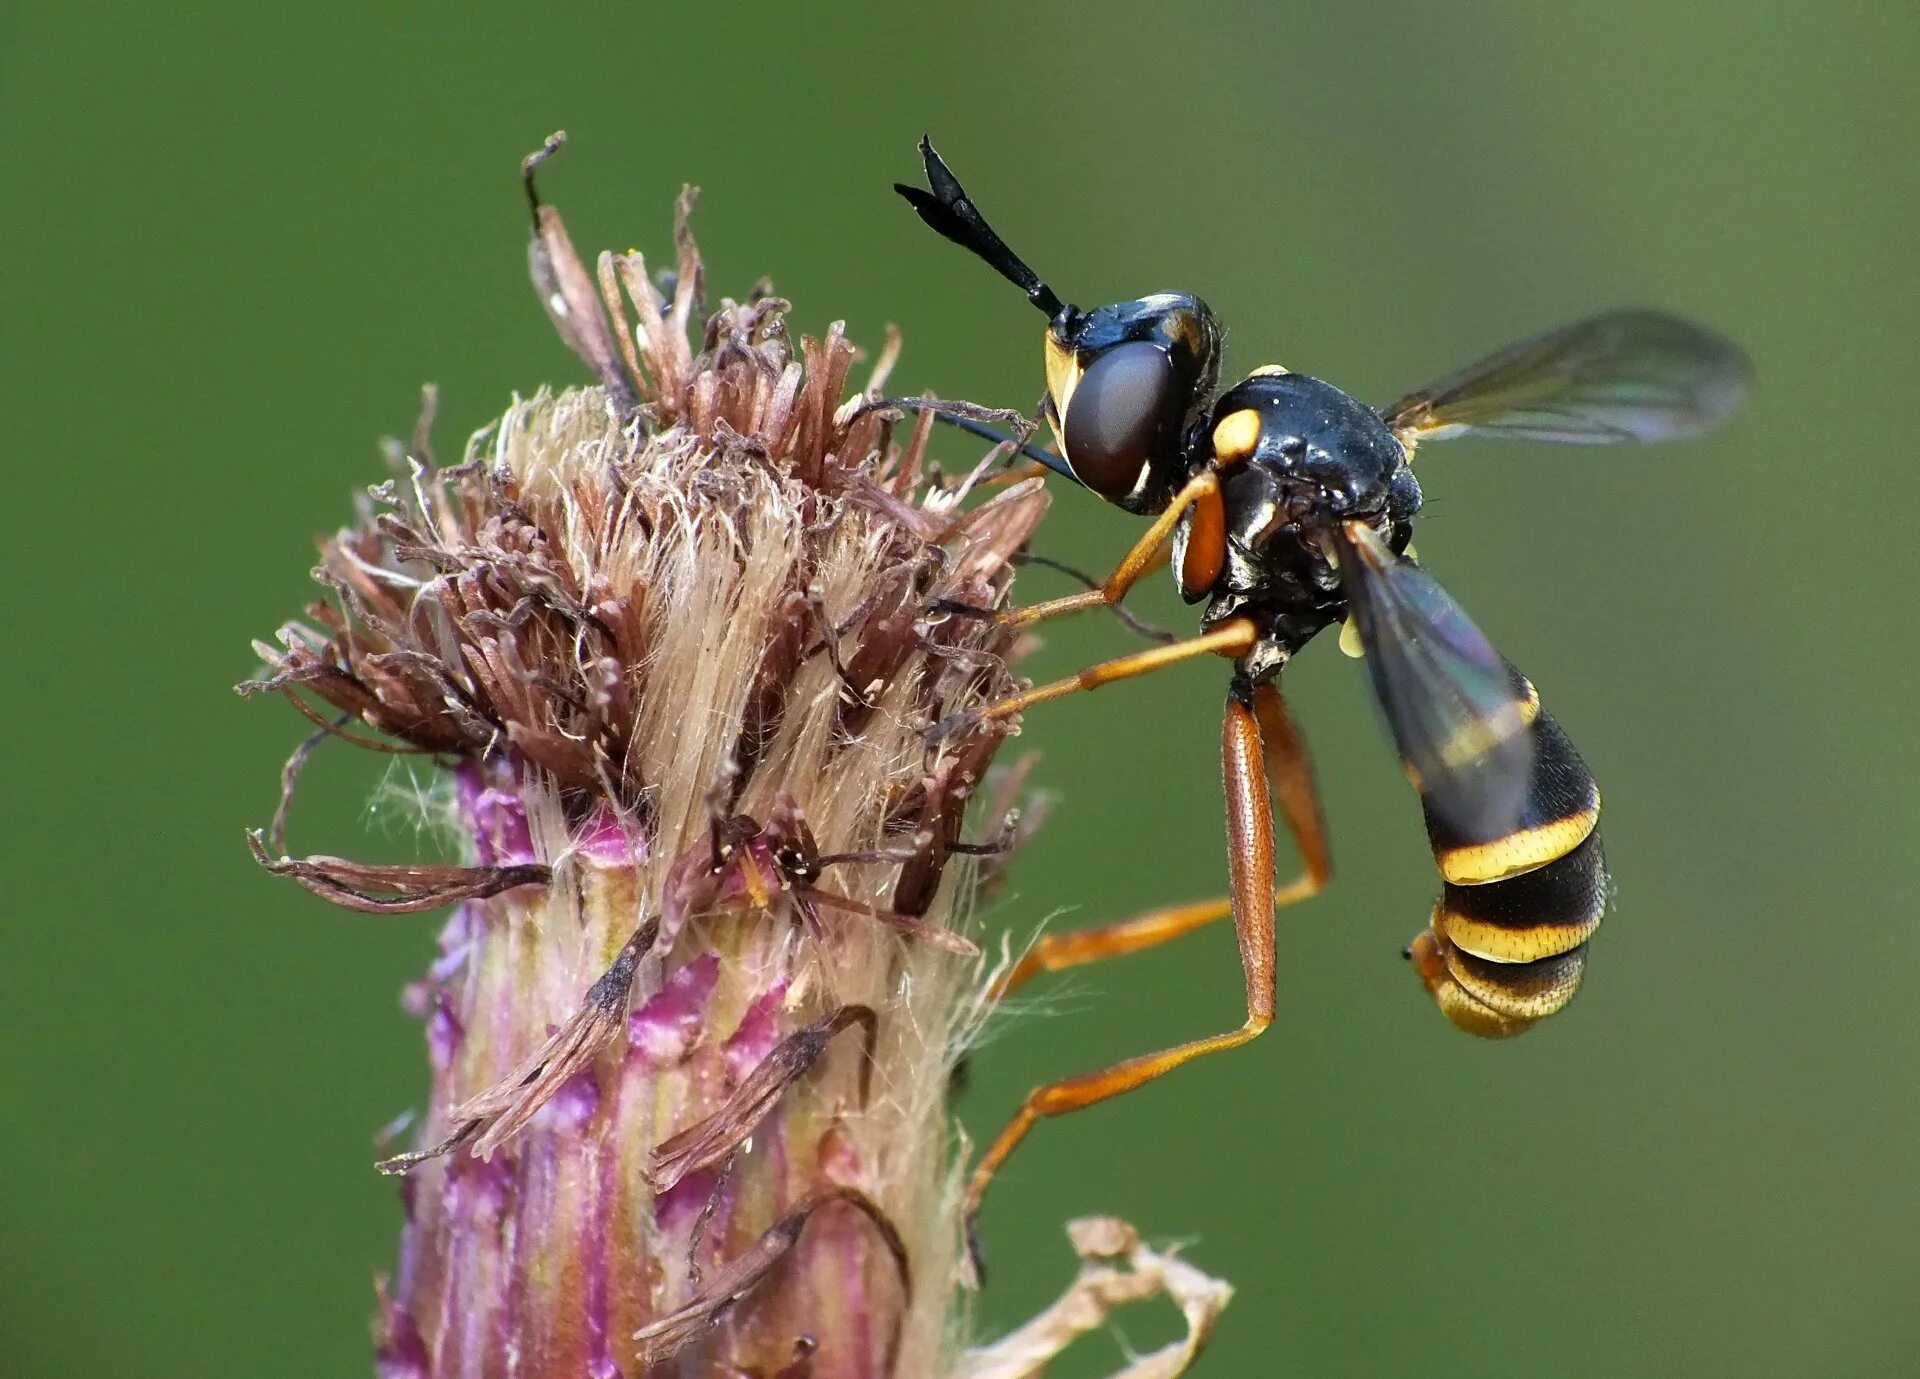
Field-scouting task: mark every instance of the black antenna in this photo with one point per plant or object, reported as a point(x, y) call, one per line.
point(949, 413)
point(948, 209)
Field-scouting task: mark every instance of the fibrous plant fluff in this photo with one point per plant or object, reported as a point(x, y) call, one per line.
point(693, 1020)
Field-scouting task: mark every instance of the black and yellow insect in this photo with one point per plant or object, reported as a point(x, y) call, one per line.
point(1286, 507)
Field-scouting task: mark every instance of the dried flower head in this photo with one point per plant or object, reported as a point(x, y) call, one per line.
point(694, 1016)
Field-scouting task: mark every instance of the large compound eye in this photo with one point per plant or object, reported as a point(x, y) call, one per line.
point(1121, 410)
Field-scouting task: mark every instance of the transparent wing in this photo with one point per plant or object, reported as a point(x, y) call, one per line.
point(1458, 713)
point(1624, 376)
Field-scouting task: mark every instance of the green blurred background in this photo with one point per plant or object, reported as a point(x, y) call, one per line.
point(234, 244)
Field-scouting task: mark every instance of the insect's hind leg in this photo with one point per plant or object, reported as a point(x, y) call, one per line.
point(1077, 947)
point(1290, 778)
point(1247, 759)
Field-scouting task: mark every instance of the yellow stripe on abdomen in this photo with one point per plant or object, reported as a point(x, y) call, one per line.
point(1506, 945)
point(1538, 914)
point(1559, 810)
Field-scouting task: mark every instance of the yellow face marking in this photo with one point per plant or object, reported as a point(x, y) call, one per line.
point(1350, 638)
point(1522, 850)
point(1236, 435)
point(1268, 371)
point(1063, 376)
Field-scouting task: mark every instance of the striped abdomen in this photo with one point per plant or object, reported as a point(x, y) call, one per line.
point(1508, 939)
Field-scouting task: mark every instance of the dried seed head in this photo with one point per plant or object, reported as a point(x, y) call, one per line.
point(691, 1029)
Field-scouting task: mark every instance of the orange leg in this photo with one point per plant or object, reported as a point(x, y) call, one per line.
point(1290, 777)
point(1033, 469)
point(1056, 952)
point(1233, 638)
point(1149, 553)
point(1245, 757)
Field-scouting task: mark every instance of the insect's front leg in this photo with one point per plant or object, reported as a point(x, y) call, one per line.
point(1149, 553)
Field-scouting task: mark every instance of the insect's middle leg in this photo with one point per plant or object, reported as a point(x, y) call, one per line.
point(1290, 778)
point(1234, 639)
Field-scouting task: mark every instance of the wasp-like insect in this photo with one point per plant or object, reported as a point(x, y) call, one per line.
point(1286, 507)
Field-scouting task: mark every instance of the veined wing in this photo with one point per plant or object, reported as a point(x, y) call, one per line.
point(1458, 713)
point(1631, 375)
